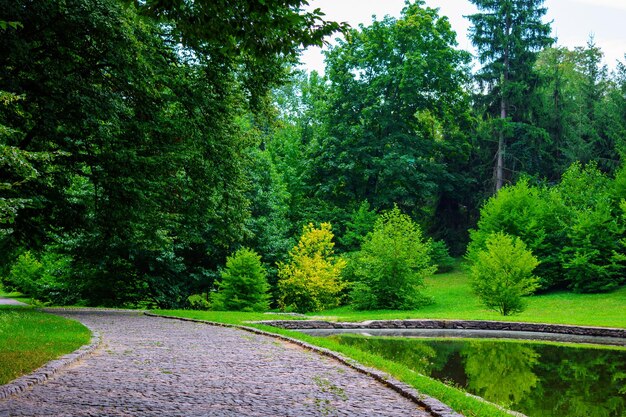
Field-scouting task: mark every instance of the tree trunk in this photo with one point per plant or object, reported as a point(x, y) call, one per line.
point(499, 174)
point(499, 171)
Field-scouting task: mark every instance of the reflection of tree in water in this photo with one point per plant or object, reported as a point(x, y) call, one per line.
point(500, 372)
point(417, 356)
point(580, 383)
point(536, 379)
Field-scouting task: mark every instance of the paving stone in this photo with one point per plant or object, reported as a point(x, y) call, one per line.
point(150, 366)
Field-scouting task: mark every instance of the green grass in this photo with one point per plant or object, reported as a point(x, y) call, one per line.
point(29, 339)
point(455, 300)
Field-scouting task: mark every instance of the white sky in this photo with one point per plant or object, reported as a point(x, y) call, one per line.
point(572, 22)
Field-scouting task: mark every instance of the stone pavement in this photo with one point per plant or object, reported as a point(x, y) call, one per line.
point(10, 302)
point(149, 366)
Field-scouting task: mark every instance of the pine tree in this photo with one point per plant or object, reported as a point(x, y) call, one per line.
point(508, 34)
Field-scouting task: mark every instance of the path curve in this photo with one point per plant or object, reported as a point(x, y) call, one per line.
point(149, 366)
point(10, 302)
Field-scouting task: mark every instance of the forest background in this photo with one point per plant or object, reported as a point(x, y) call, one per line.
point(144, 143)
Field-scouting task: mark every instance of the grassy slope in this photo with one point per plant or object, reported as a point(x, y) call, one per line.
point(454, 300)
point(29, 339)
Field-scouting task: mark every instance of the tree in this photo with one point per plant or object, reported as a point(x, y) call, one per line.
point(503, 273)
point(311, 279)
point(150, 173)
point(395, 116)
point(256, 39)
point(508, 34)
point(243, 286)
point(391, 265)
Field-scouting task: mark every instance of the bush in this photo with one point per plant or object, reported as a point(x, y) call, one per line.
point(360, 224)
point(391, 265)
point(440, 256)
point(24, 274)
point(243, 286)
point(592, 254)
point(55, 285)
point(311, 279)
point(533, 214)
point(503, 273)
point(198, 302)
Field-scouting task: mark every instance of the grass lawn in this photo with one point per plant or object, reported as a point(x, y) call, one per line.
point(454, 300)
point(29, 339)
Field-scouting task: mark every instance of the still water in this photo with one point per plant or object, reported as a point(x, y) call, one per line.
point(539, 380)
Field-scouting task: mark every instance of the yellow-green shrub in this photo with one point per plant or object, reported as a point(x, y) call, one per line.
point(311, 279)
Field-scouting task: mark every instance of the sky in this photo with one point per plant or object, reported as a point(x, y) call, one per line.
point(573, 21)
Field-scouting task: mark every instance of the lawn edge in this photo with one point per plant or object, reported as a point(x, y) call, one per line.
point(432, 405)
point(51, 368)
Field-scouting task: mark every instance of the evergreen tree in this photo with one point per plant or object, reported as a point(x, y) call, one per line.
point(508, 34)
point(243, 286)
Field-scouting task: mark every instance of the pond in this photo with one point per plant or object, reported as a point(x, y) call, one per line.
point(537, 379)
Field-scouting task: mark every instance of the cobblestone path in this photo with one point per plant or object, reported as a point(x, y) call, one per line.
point(150, 366)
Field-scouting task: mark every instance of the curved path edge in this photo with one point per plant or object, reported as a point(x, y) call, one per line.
point(432, 324)
point(43, 373)
point(432, 405)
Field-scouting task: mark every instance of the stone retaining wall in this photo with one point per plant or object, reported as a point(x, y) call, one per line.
point(450, 324)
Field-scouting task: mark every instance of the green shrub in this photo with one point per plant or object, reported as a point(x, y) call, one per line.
point(534, 214)
point(503, 273)
point(24, 274)
point(360, 224)
point(392, 264)
point(198, 302)
point(243, 285)
point(55, 286)
point(592, 254)
point(440, 256)
point(311, 279)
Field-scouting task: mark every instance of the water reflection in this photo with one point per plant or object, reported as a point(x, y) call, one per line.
point(501, 373)
point(536, 379)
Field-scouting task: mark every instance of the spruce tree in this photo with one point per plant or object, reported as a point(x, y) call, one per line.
point(508, 34)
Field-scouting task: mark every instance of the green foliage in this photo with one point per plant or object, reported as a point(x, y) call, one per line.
point(360, 224)
point(534, 214)
point(574, 228)
point(268, 227)
point(440, 256)
point(243, 286)
point(198, 302)
point(508, 34)
point(24, 274)
point(503, 273)
point(395, 115)
point(46, 278)
point(56, 285)
point(592, 255)
point(311, 279)
point(259, 37)
point(391, 265)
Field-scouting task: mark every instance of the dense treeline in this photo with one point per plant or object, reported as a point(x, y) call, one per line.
point(141, 148)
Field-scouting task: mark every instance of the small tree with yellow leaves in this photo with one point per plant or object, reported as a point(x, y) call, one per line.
point(311, 279)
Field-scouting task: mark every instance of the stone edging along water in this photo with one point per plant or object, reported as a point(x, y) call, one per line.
point(432, 405)
point(42, 374)
point(451, 325)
